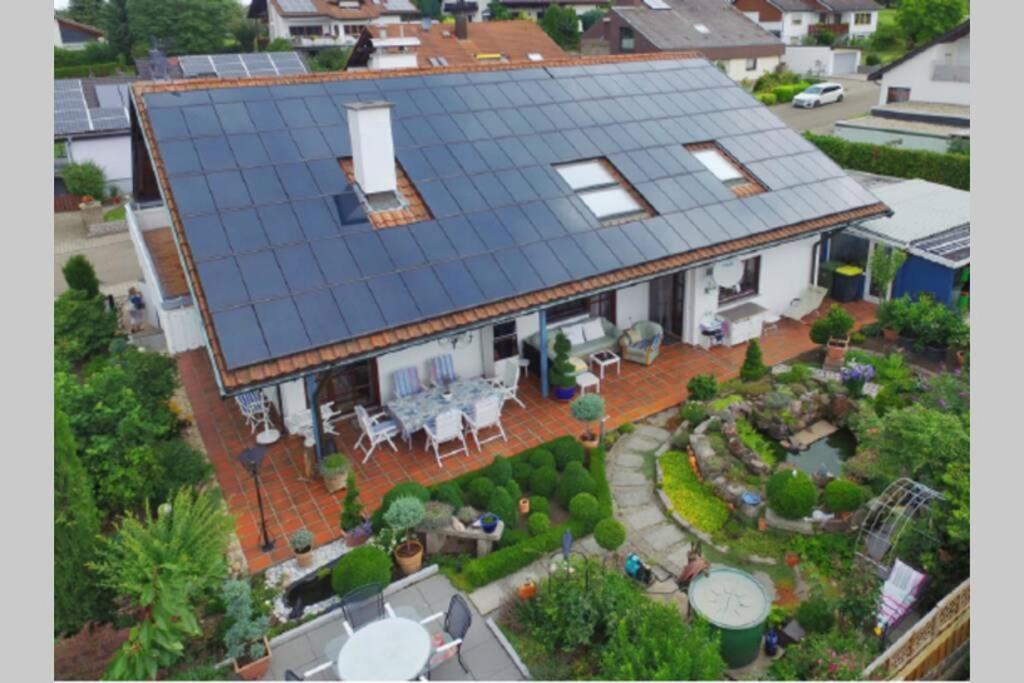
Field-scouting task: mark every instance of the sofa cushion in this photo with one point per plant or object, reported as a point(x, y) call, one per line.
point(575, 335)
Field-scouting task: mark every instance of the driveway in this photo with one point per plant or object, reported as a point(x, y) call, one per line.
point(112, 256)
point(860, 97)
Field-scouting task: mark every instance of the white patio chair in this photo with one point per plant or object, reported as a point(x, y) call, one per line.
point(899, 593)
point(377, 429)
point(301, 423)
point(255, 408)
point(806, 303)
point(446, 427)
point(442, 370)
point(486, 414)
point(406, 382)
point(507, 382)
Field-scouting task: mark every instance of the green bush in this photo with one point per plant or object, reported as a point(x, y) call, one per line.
point(627, 428)
point(567, 450)
point(331, 59)
point(82, 326)
point(279, 45)
point(873, 59)
point(499, 471)
point(702, 387)
point(609, 533)
point(603, 491)
point(449, 492)
point(182, 465)
point(693, 500)
point(816, 614)
point(406, 488)
point(502, 505)
point(693, 412)
point(480, 491)
point(583, 508)
point(98, 70)
point(837, 324)
point(360, 566)
point(538, 523)
point(562, 374)
point(542, 457)
point(85, 179)
point(792, 494)
point(79, 274)
point(798, 373)
point(510, 537)
point(948, 169)
point(514, 490)
point(543, 481)
point(767, 98)
point(753, 367)
point(521, 471)
point(575, 480)
point(481, 571)
point(843, 496)
point(540, 504)
point(786, 93)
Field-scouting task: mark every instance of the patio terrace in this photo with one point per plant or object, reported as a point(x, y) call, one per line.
point(292, 502)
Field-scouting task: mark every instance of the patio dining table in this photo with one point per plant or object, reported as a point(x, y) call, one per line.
point(413, 412)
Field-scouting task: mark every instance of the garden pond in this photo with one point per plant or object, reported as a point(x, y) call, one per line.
point(825, 454)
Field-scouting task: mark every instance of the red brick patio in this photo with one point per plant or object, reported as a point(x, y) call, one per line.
point(292, 502)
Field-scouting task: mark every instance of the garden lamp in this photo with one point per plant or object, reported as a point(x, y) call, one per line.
point(251, 458)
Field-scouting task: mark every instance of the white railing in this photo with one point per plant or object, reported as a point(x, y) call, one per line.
point(960, 73)
point(323, 41)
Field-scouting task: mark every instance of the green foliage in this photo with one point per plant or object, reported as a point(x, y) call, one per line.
point(816, 614)
point(583, 508)
point(279, 45)
point(587, 408)
point(872, 59)
point(301, 540)
point(501, 504)
point(82, 326)
point(511, 537)
point(244, 638)
point(521, 471)
point(331, 59)
point(693, 412)
point(515, 491)
point(538, 523)
point(768, 450)
point(885, 264)
point(562, 374)
point(948, 392)
point(450, 492)
point(540, 504)
point(436, 515)
point(85, 11)
point(404, 514)
point(753, 367)
point(833, 656)
point(825, 37)
point(786, 93)
point(562, 25)
point(79, 274)
point(836, 324)
point(860, 593)
point(352, 507)
point(183, 26)
point(766, 98)
point(922, 20)
point(542, 457)
point(153, 377)
point(959, 146)
point(543, 481)
point(691, 499)
point(360, 566)
point(798, 373)
point(467, 514)
point(181, 466)
point(480, 490)
point(926, 321)
point(575, 480)
point(484, 570)
point(627, 428)
point(114, 20)
point(948, 169)
point(406, 488)
point(92, 53)
point(85, 179)
point(702, 387)
point(498, 11)
point(923, 444)
point(843, 496)
point(567, 450)
point(791, 494)
point(499, 471)
point(610, 534)
point(76, 524)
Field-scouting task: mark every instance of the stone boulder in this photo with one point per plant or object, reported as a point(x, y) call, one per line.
point(709, 463)
point(839, 407)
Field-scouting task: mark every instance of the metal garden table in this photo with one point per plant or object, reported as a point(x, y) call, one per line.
point(394, 649)
point(413, 412)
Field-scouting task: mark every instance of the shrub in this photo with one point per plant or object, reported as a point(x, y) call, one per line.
point(566, 451)
point(352, 507)
point(792, 494)
point(468, 514)
point(449, 492)
point(693, 412)
point(181, 466)
point(538, 523)
point(480, 490)
point(514, 490)
point(499, 471)
point(702, 387)
point(279, 45)
point(483, 570)
point(767, 98)
point(502, 505)
point(575, 480)
point(404, 515)
point(753, 367)
point(587, 409)
point(540, 504)
point(79, 274)
point(510, 537)
point(85, 179)
point(543, 481)
point(627, 428)
point(610, 534)
point(583, 509)
point(542, 457)
point(82, 326)
point(406, 488)
point(244, 638)
point(521, 472)
point(437, 515)
point(691, 499)
point(562, 374)
point(331, 59)
point(873, 59)
point(816, 614)
point(360, 566)
point(836, 324)
point(301, 541)
point(948, 169)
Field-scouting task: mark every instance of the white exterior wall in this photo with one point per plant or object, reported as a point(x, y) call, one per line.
point(917, 74)
point(792, 33)
point(861, 30)
point(889, 137)
point(112, 154)
point(736, 69)
point(816, 59)
point(469, 361)
point(382, 61)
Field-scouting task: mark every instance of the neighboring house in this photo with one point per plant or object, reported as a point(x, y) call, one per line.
point(793, 20)
point(938, 71)
point(422, 45)
point(354, 224)
point(719, 32)
point(90, 118)
point(71, 35)
point(821, 60)
point(318, 24)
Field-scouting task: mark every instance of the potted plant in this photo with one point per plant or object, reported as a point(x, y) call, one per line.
point(246, 640)
point(776, 618)
point(334, 469)
point(437, 515)
point(855, 376)
point(354, 526)
point(524, 506)
point(527, 589)
point(588, 409)
point(91, 210)
point(302, 545)
point(885, 264)
point(404, 515)
point(892, 316)
point(489, 522)
point(563, 373)
point(833, 330)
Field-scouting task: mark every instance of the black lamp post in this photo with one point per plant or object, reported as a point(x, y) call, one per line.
point(251, 459)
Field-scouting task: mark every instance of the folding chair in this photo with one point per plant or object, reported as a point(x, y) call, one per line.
point(406, 382)
point(377, 430)
point(448, 642)
point(486, 414)
point(443, 370)
point(446, 427)
point(507, 382)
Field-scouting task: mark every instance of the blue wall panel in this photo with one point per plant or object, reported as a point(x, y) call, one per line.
point(919, 275)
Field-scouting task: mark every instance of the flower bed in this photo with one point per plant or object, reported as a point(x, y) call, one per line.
point(691, 499)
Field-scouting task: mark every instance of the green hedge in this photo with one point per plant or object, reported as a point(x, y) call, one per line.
point(87, 70)
point(949, 169)
point(786, 93)
point(766, 98)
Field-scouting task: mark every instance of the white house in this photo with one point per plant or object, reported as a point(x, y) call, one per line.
point(937, 72)
point(318, 24)
point(90, 118)
point(794, 20)
point(72, 35)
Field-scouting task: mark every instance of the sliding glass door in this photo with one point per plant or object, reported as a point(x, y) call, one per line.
point(666, 303)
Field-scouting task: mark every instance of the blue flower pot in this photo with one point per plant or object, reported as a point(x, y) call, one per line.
point(489, 523)
point(565, 394)
point(771, 642)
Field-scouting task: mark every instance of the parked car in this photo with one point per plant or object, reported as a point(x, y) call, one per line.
point(819, 94)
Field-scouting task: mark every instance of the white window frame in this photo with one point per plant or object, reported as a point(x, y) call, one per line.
point(597, 188)
point(857, 19)
point(751, 64)
point(720, 166)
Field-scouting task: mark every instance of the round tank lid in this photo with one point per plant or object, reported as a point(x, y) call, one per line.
point(730, 598)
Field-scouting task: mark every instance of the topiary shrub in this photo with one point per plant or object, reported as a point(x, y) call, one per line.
point(513, 489)
point(583, 509)
point(540, 504)
point(587, 409)
point(85, 180)
point(816, 614)
point(791, 494)
point(79, 274)
point(538, 523)
point(406, 488)
point(694, 413)
point(502, 505)
point(511, 537)
point(360, 566)
point(753, 363)
point(499, 471)
point(842, 495)
point(836, 324)
point(542, 457)
point(566, 451)
point(574, 481)
point(479, 492)
point(562, 374)
point(610, 534)
point(702, 387)
point(449, 492)
point(521, 472)
point(543, 481)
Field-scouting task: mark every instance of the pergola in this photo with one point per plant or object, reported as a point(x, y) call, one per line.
point(901, 502)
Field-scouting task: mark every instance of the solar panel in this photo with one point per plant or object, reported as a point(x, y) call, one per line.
point(253, 65)
point(70, 112)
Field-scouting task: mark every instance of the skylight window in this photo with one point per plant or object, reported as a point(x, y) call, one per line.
point(535, 56)
point(599, 188)
point(701, 28)
point(725, 168)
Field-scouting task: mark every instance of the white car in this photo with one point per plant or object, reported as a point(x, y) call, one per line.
point(819, 94)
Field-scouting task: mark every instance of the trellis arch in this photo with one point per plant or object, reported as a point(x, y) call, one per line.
point(902, 501)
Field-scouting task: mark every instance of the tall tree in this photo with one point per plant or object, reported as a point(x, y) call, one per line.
point(76, 524)
point(114, 20)
point(184, 26)
point(922, 20)
point(562, 24)
point(85, 11)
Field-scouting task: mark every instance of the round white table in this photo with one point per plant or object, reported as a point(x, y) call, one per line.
point(267, 436)
point(393, 649)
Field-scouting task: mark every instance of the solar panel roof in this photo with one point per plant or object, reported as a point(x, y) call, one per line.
point(480, 151)
point(73, 116)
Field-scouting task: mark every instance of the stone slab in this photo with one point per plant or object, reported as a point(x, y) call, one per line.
point(628, 478)
point(651, 432)
point(643, 518)
point(664, 536)
point(633, 497)
point(629, 460)
point(818, 430)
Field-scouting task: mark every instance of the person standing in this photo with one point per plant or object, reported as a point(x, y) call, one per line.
point(136, 305)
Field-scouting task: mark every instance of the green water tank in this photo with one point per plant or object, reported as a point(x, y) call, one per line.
point(736, 604)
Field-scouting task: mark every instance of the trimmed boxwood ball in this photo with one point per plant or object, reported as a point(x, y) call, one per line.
point(843, 496)
point(499, 471)
point(449, 492)
point(543, 481)
point(702, 387)
point(791, 494)
point(538, 523)
point(521, 472)
point(609, 533)
point(816, 614)
point(540, 504)
point(575, 480)
point(542, 457)
point(584, 509)
point(566, 451)
point(512, 537)
point(501, 504)
point(360, 566)
point(513, 489)
point(405, 488)
point(479, 492)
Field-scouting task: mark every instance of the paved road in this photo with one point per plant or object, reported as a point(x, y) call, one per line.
point(860, 96)
point(112, 255)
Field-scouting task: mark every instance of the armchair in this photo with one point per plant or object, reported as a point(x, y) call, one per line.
point(642, 342)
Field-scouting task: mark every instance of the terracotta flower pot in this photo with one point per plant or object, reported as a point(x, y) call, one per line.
point(409, 556)
point(890, 335)
point(524, 506)
point(762, 524)
point(305, 559)
point(792, 559)
point(589, 443)
point(527, 590)
point(256, 669)
point(336, 482)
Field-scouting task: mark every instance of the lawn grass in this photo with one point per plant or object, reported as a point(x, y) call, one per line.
point(115, 214)
point(691, 499)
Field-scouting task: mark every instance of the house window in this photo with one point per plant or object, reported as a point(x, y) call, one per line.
point(596, 306)
point(752, 64)
point(354, 30)
point(725, 168)
point(506, 343)
point(603, 191)
point(798, 20)
point(306, 30)
point(862, 18)
point(897, 95)
point(749, 283)
point(627, 41)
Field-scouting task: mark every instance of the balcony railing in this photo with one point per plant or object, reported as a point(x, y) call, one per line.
point(323, 41)
point(929, 643)
point(960, 73)
point(834, 29)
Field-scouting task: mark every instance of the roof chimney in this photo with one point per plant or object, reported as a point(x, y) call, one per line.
point(461, 27)
point(373, 147)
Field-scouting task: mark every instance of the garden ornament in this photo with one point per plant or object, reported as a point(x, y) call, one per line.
point(695, 564)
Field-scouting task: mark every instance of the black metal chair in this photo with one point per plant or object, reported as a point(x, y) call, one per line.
point(448, 642)
point(364, 605)
point(290, 675)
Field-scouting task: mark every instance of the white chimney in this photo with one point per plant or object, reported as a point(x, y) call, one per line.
point(373, 147)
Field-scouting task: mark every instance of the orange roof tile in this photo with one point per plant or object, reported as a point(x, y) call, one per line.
point(513, 39)
point(167, 261)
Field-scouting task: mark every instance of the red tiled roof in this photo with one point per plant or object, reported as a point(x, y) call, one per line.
point(163, 251)
point(513, 39)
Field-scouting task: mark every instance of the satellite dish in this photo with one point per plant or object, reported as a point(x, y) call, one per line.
point(727, 273)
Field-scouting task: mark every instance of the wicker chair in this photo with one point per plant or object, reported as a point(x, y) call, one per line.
point(642, 342)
